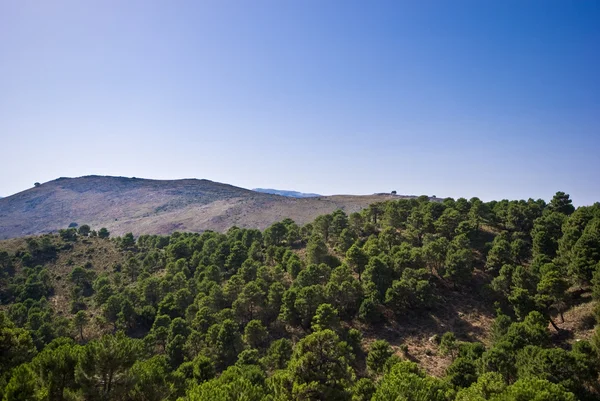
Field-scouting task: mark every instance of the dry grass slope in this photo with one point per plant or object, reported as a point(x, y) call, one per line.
point(146, 206)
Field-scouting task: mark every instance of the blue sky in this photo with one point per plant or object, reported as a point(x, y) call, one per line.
point(452, 98)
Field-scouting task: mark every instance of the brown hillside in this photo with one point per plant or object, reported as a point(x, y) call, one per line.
point(146, 206)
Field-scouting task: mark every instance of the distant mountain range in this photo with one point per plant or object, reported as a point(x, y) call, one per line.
point(290, 194)
point(145, 206)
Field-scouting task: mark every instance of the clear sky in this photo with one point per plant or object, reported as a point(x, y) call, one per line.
point(496, 99)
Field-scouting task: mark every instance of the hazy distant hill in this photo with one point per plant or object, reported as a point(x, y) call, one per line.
point(291, 194)
point(157, 206)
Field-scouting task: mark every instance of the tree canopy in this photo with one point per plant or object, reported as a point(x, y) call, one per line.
point(365, 306)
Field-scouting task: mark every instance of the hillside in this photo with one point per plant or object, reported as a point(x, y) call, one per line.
point(410, 299)
point(157, 206)
point(104, 256)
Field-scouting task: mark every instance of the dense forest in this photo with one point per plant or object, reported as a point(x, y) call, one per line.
point(411, 299)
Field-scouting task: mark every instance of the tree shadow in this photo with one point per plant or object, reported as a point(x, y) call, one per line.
point(467, 315)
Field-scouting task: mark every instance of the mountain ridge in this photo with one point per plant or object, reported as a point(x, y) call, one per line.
point(284, 192)
point(148, 206)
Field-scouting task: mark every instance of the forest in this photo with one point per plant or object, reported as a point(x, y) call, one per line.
point(412, 299)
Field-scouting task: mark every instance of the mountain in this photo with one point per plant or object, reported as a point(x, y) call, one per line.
point(144, 206)
point(290, 194)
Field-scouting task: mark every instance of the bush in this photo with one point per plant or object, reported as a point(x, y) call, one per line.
point(380, 352)
point(369, 311)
